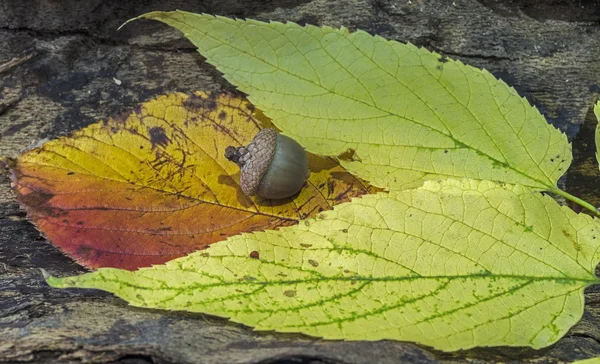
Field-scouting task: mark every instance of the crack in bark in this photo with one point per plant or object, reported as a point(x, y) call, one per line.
point(585, 336)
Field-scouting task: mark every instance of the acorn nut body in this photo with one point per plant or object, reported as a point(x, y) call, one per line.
point(272, 166)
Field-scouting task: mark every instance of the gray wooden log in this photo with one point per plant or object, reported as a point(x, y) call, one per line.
point(58, 65)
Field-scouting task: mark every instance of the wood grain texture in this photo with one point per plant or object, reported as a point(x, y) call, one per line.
point(74, 54)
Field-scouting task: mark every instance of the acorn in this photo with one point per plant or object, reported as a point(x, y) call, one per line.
point(272, 166)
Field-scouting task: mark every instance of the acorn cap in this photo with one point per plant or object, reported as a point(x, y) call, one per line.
point(254, 159)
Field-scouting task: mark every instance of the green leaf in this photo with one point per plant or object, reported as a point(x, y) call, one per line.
point(587, 361)
point(597, 113)
point(405, 114)
point(452, 265)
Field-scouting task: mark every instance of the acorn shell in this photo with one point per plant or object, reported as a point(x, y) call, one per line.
point(255, 159)
point(287, 172)
point(273, 166)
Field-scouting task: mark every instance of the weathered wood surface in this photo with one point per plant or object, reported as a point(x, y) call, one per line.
point(57, 64)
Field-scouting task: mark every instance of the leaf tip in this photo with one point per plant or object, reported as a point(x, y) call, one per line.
point(58, 282)
point(54, 281)
point(129, 21)
point(150, 15)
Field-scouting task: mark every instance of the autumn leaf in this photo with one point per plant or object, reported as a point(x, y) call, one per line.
point(399, 114)
point(452, 265)
point(154, 184)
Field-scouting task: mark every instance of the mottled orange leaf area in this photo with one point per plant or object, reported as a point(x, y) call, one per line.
point(154, 185)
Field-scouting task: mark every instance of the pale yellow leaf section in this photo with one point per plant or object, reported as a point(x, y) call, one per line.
point(405, 114)
point(451, 265)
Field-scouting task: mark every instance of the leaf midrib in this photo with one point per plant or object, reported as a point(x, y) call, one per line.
point(247, 282)
point(154, 188)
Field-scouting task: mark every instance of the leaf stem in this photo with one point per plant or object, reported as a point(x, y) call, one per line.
point(577, 200)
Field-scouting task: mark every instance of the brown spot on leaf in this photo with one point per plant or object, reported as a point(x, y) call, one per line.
point(222, 115)
point(576, 245)
point(350, 155)
point(290, 293)
point(83, 251)
point(158, 136)
point(193, 103)
point(305, 245)
point(314, 263)
point(40, 202)
point(254, 255)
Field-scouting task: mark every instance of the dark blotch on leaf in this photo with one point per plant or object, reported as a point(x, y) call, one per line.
point(83, 251)
point(254, 255)
point(350, 155)
point(314, 263)
point(222, 115)
point(305, 245)
point(40, 201)
point(290, 293)
point(193, 103)
point(158, 136)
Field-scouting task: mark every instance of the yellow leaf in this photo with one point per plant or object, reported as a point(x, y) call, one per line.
point(154, 184)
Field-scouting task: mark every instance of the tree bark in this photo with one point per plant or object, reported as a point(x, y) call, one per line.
point(63, 65)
